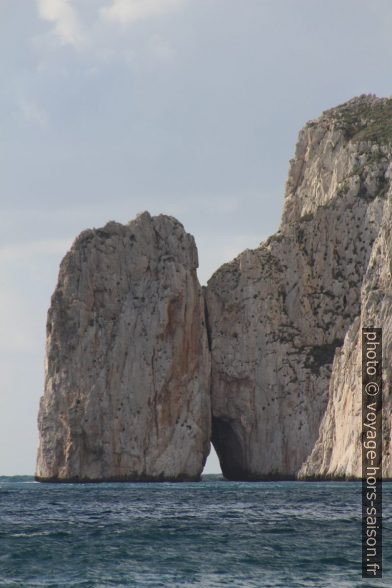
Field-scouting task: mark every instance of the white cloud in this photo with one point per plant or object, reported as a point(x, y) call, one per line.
point(96, 36)
point(65, 18)
point(130, 11)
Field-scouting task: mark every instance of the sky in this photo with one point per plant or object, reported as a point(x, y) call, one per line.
point(185, 107)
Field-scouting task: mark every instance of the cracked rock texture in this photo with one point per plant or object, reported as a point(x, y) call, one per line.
point(127, 364)
point(337, 453)
point(284, 317)
point(131, 384)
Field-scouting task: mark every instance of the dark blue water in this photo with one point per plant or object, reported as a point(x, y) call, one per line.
point(210, 534)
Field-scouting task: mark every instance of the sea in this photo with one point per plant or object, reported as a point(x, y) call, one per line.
point(208, 534)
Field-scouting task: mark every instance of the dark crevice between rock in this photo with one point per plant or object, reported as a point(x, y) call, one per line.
point(228, 448)
point(209, 342)
point(321, 355)
point(207, 323)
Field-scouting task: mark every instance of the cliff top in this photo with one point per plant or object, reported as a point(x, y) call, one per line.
point(363, 118)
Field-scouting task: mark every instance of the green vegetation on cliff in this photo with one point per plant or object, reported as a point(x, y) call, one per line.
point(366, 118)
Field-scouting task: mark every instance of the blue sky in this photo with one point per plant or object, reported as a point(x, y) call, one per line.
point(186, 107)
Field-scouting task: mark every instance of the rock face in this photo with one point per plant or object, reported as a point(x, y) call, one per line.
point(284, 318)
point(127, 366)
point(337, 453)
point(133, 376)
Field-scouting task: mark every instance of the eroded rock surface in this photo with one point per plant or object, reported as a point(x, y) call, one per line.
point(128, 395)
point(279, 314)
point(127, 365)
point(337, 453)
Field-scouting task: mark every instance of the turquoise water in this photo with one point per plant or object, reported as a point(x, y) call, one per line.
point(208, 534)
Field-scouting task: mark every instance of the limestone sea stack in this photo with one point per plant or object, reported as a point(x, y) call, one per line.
point(285, 318)
point(127, 389)
point(143, 370)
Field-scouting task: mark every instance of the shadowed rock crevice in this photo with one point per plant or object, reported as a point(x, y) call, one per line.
point(229, 449)
point(208, 328)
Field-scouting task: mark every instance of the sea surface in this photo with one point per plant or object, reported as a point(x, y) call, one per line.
point(208, 534)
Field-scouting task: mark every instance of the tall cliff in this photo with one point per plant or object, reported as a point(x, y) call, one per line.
point(137, 384)
point(127, 364)
point(284, 317)
point(337, 453)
